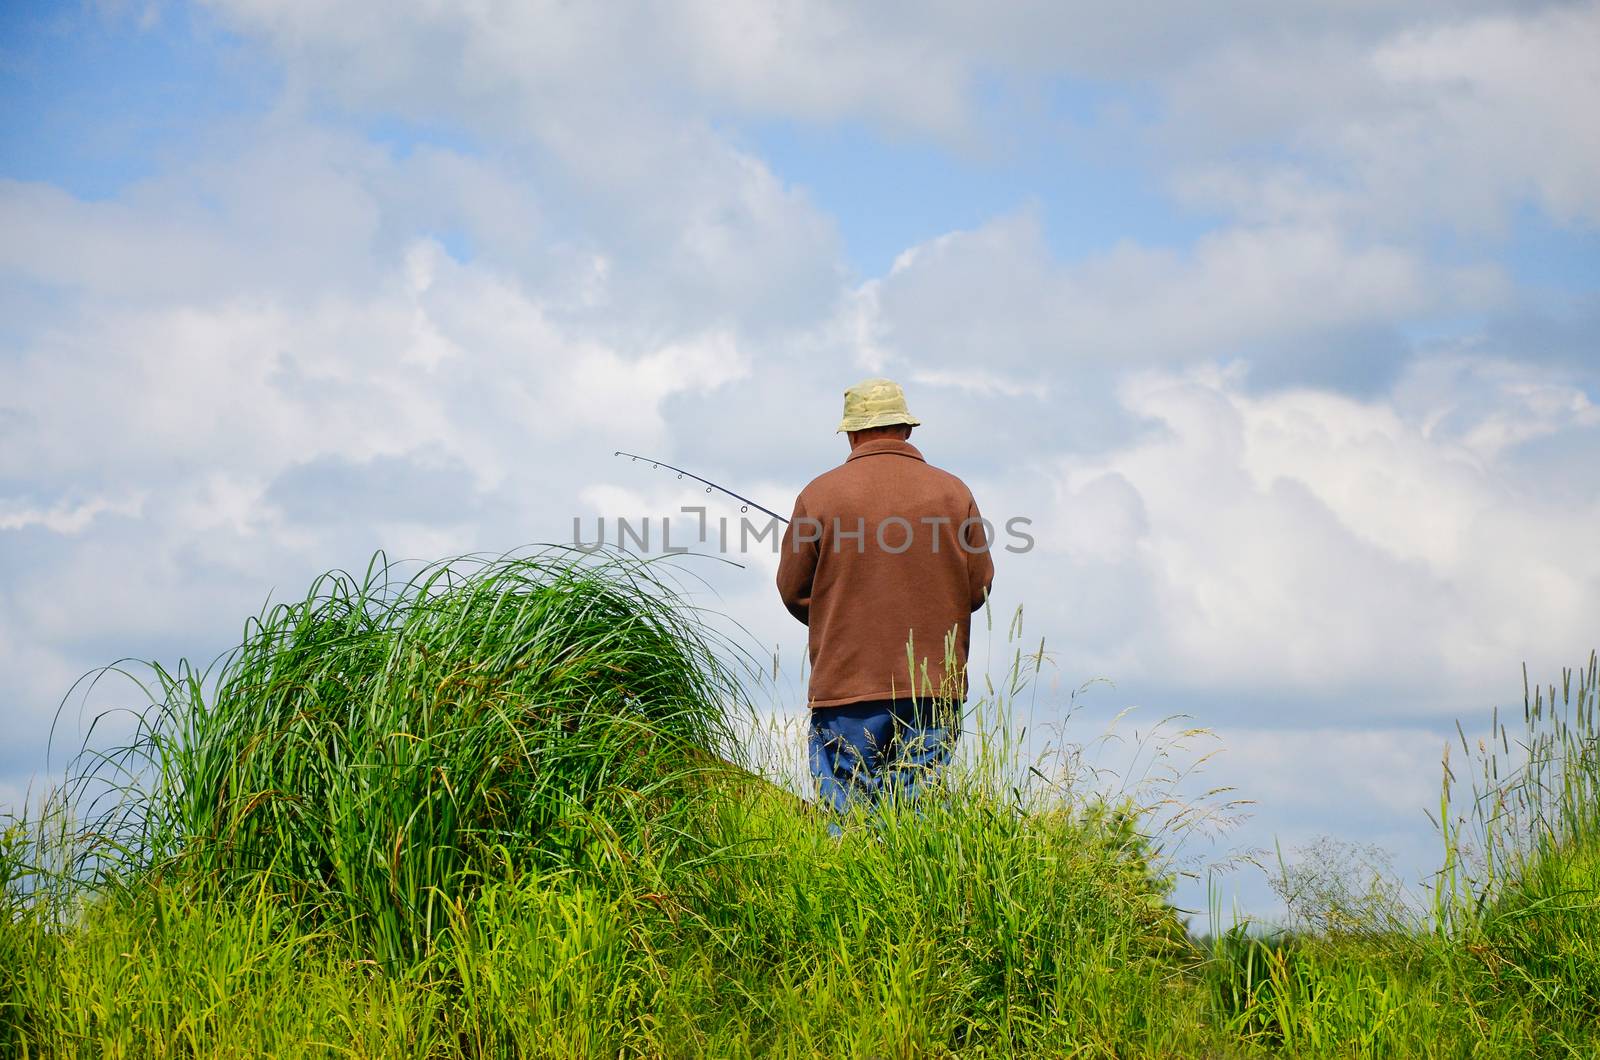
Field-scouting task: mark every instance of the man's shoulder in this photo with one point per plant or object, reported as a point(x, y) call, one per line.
point(852, 471)
point(947, 477)
point(824, 483)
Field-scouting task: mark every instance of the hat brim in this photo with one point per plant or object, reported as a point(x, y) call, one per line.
point(881, 419)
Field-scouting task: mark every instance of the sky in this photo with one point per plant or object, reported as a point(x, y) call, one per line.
point(1278, 321)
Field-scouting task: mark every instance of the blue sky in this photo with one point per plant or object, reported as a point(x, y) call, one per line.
point(92, 102)
point(1280, 330)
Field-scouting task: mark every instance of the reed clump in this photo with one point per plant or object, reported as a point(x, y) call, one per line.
point(374, 747)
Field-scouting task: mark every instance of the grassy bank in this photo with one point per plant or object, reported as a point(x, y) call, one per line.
point(489, 810)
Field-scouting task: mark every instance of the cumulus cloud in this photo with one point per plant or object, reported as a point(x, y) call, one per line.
point(1255, 492)
point(1376, 113)
point(821, 61)
point(198, 409)
point(1302, 540)
point(997, 289)
point(1454, 123)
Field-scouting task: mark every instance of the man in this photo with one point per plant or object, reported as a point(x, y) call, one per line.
point(885, 560)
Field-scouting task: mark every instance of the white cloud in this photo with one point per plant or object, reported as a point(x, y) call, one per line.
point(1375, 113)
point(997, 294)
point(65, 517)
point(300, 344)
point(1451, 122)
point(197, 372)
point(980, 381)
point(820, 61)
point(1302, 542)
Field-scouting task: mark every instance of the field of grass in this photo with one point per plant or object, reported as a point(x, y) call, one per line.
point(498, 809)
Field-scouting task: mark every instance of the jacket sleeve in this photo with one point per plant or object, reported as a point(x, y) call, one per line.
point(797, 566)
point(980, 561)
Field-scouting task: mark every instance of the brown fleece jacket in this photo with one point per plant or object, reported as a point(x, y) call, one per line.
point(875, 559)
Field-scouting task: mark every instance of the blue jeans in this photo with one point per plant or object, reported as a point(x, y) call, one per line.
point(863, 752)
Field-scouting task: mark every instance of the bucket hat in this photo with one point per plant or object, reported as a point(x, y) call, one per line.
point(875, 403)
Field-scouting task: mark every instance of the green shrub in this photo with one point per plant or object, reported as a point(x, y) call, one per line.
point(377, 744)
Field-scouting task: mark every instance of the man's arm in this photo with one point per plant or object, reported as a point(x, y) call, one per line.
point(797, 563)
point(980, 564)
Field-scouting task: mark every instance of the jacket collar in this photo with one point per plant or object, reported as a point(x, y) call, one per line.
point(885, 445)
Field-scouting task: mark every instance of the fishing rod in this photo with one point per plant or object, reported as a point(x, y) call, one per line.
point(709, 485)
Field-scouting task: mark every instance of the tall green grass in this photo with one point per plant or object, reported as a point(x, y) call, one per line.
point(484, 810)
point(1506, 959)
point(1522, 864)
point(378, 745)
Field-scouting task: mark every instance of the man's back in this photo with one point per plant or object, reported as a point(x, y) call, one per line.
point(885, 551)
